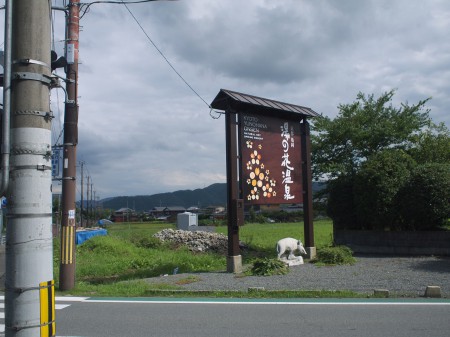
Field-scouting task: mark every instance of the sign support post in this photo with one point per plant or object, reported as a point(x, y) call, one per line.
point(307, 189)
point(235, 209)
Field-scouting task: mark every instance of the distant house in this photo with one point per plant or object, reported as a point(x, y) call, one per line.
point(124, 215)
point(215, 210)
point(193, 209)
point(175, 210)
point(167, 213)
point(158, 212)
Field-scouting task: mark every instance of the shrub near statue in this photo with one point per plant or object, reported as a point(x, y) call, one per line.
point(289, 245)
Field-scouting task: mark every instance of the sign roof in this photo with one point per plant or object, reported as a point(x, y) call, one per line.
point(227, 99)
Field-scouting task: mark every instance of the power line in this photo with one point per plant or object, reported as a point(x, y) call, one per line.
point(85, 6)
point(164, 57)
point(122, 2)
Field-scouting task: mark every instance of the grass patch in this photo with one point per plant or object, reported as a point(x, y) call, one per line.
point(261, 239)
point(142, 289)
point(109, 259)
point(114, 265)
point(188, 280)
point(268, 267)
point(135, 288)
point(257, 294)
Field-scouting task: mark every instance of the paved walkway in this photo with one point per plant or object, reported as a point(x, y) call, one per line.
point(402, 276)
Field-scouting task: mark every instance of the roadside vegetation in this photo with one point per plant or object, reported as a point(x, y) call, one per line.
point(117, 264)
point(387, 167)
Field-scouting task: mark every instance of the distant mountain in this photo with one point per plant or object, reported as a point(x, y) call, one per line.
point(213, 195)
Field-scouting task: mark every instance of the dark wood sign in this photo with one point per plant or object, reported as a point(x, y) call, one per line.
point(271, 159)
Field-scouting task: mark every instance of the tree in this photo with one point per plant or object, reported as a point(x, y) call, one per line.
point(341, 198)
point(432, 145)
point(362, 129)
point(376, 186)
point(369, 153)
point(424, 201)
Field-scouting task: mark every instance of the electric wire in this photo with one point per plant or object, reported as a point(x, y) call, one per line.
point(84, 7)
point(163, 56)
point(122, 2)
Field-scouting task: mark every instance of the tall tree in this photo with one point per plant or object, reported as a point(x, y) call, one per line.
point(384, 163)
point(363, 128)
point(432, 145)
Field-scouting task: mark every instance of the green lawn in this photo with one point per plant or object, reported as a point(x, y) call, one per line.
point(115, 264)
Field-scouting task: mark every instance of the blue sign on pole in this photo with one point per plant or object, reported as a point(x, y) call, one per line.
point(55, 163)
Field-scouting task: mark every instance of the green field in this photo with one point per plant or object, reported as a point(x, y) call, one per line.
point(116, 264)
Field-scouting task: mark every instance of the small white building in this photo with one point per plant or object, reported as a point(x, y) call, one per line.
point(187, 220)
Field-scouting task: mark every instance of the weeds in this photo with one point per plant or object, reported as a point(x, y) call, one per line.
point(335, 255)
point(114, 264)
point(268, 267)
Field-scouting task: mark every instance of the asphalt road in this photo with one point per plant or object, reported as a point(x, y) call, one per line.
point(244, 318)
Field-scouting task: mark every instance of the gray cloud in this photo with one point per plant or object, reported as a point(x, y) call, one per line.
point(142, 131)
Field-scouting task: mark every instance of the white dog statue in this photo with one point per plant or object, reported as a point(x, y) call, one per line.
point(290, 245)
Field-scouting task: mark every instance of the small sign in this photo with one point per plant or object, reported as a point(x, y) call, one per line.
point(72, 214)
point(70, 55)
point(55, 163)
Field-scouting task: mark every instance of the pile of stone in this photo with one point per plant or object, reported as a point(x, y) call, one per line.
point(197, 241)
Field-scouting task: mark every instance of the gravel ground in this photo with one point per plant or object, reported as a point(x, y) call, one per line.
point(402, 276)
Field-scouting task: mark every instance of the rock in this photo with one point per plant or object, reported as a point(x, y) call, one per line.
point(433, 291)
point(381, 292)
point(198, 241)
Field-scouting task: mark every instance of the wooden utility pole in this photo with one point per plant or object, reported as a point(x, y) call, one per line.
point(68, 222)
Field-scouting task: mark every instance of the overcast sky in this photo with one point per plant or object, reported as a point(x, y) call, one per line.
point(143, 131)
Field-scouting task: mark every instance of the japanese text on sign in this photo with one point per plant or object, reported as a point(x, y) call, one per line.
point(271, 165)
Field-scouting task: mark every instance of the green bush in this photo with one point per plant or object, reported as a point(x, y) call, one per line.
point(267, 267)
point(335, 255)
point(341, 203)
point(145, 241)
point(104, 245)
point(376, 186)
point(424, 201)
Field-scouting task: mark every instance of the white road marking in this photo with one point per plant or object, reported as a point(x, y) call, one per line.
point(360, 303)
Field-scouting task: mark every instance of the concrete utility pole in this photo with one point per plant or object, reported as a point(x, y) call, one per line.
point(92, 205)
point(94, 208)
point(81, 193)
point(87, 201)
point(68, 221)
point(6, 113)
point(29, 286)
